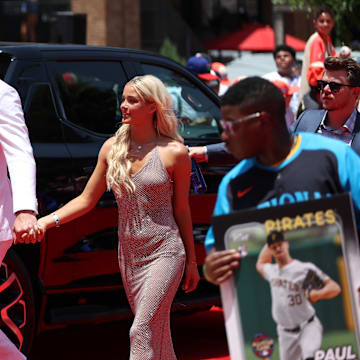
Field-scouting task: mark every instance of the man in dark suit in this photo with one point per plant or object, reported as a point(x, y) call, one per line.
point(339, 91)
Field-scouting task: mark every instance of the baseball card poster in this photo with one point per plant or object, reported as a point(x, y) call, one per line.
point(296, 292)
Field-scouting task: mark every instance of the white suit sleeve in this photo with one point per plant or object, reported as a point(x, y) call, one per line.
point(16, 147)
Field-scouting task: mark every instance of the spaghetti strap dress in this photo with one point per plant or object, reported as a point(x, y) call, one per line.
point(151, 257)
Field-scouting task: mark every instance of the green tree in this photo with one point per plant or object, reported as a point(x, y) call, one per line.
point(168, 49)
point(347, 28)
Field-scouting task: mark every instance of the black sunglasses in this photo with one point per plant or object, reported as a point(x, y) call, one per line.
point(334, 86)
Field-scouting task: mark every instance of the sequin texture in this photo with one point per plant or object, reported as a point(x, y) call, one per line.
point(151, 258)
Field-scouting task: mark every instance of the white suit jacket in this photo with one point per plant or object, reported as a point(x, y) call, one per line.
point(16, 156)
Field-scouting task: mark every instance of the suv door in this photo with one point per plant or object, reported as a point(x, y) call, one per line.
point(46, 135)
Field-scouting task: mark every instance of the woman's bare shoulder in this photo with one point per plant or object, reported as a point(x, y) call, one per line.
point(174, 147)
point(106, 147)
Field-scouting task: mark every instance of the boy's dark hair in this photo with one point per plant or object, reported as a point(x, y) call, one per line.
point(351, 67)
point(284, 47)
point(257, 94)
point(324, 9)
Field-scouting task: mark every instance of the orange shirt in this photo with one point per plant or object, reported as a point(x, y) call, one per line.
point(316, 50)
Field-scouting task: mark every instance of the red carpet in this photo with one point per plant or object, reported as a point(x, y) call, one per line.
point(200, 336)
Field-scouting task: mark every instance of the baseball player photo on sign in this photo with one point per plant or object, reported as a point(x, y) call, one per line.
point(299, 329)
point(293, 295)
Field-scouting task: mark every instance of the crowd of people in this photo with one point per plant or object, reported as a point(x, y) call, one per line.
point(298, 85)
point(267, 132)
point(147, 167)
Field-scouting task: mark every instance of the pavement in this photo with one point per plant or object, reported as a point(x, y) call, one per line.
point(196, 336)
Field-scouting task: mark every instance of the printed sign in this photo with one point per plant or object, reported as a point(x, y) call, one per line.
point(298, 281)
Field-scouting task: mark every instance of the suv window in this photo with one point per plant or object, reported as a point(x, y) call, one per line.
point(28, 73)
point(198, 115)
point(40, 115)
point(90, 92)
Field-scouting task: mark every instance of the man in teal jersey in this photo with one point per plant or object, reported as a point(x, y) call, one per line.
point(275, 167)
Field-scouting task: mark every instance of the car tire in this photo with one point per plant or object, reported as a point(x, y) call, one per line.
point(17, 303)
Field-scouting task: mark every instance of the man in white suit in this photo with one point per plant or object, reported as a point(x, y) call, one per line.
point(18, 204)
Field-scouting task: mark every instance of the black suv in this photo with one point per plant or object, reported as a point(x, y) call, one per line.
point(71, 97)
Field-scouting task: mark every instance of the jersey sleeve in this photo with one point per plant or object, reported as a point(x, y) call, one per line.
point(267, 271)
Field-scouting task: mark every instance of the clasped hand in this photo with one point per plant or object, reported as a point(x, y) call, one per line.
point(26, 229)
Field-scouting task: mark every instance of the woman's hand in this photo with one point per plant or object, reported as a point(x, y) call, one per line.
point(41, 227)
point(191, 278)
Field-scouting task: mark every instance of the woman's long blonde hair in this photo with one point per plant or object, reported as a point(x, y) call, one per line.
point(152, 90)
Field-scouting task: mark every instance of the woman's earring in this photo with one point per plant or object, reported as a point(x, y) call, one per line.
point(156, 127)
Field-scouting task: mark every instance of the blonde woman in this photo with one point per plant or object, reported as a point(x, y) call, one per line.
point(148, 168)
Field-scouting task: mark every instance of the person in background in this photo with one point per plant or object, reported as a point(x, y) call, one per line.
point(30, 10)
point(339, 91)
point(18, 202)
point(221, 70)
point(290, 93)
point(285, 60)
point(148, 168)
point(318, 47)
point(200, 67)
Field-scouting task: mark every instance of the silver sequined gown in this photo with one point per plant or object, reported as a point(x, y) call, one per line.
point(151, 258)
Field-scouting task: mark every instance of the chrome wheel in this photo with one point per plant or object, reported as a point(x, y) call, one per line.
point(17, 312)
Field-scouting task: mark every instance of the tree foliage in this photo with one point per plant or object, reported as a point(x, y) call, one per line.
point(169, 49)
point(347, 12)
point(340, 6)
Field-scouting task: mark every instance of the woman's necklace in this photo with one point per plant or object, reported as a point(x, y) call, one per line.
point(139, 150)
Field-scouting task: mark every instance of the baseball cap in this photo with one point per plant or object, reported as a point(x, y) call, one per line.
point(200, 67)
point(206, 56)
point(274, 237)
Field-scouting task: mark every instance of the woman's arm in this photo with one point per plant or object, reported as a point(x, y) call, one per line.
point(182, 215)
point(88, 198)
